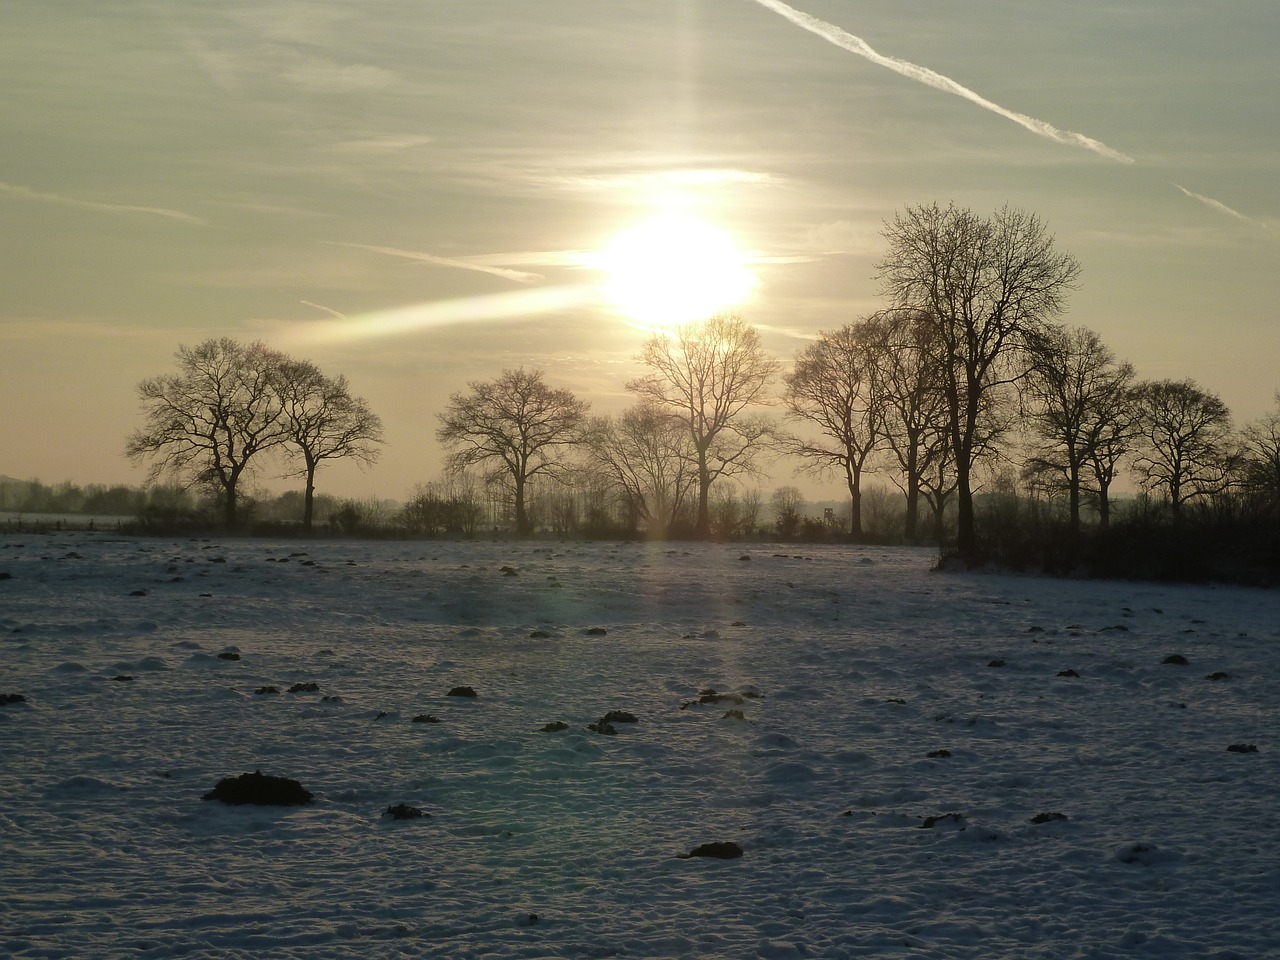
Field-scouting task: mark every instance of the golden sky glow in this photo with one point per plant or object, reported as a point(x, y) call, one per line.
point(417, 195)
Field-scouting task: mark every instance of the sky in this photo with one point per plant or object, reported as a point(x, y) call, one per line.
point(415, 193)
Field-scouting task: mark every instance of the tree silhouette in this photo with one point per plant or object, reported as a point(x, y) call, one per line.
point(322, 421)
point(988, 286)
point(835, 388)
point(647, 451)
point(709, 374)
point(916, 431)
point(1082, 409)
point(210, 421)
point(1187, 449)
point(516, 425)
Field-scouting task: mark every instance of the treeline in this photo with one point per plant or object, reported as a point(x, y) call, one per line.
point(101, 500)
point(1004, 431)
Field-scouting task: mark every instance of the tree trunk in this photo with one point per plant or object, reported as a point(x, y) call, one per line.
point(1104, 504)
point(966, 532)
point(229, 505)
point(1073, 498)
point(912, 520)
point(702, 525)
point(855, 508)
point(308, 499)
point(522, 517)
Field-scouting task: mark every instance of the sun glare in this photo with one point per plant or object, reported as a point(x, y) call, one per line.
point(673, 269)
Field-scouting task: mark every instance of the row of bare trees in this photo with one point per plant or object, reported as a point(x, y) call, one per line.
point(964, 371)
point(694, 423)
point(231, 405)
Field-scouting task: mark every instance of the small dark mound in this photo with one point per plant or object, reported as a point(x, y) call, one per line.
point(7, 698)
point(122, 677)
point(137, 593)
point(1049, 817)
point(956, 819)
point(308, 687)
point(260, 789)
point(734, 715)
point(228, 655)
point(745, 556)
point(897, 700)
point(402, 811)
point(1176, 659)
point(720, 850)
point(555, 726)
point(1067, 673)
point(509, 571)
point(713, 697)
point(997, 662)
point(539, 635)
point(462, 692)
point(425, 718)
point(1242, 748)
point(619, 716)
point(1219, 675)
point(938, 754)
point(265, 690)
point(596, 631)
point(605, 728)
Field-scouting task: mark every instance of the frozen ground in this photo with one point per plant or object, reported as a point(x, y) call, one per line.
point(860, 665)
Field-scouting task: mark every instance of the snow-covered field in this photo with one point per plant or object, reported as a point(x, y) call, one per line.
point(898, 732)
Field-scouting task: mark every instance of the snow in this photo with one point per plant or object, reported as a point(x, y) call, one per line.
point(852, 666)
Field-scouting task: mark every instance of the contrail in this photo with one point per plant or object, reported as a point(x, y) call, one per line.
point(1213, 204)
point(30, 194)
point(335, 314)
point(520, 276)
point(847, 41)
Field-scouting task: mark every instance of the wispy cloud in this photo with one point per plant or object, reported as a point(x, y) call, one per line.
point(379, 146)
point(417, 317)
point(1214, 204)
point(847, 41)
point(18, 190)
point(477, 264)
point(335, 314)
point(691, 178)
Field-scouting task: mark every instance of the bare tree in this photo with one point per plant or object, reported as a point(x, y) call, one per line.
point(1187, 449)
point(730, 513)
point(835, 389)
point(1262, 460)
point(1082, 412)
point(988, 286)
point(323, 422)
point(212, 419)
point(647, 451)
point(710, 374)
point(788, 511)
point(908, 359)
point(518, 426)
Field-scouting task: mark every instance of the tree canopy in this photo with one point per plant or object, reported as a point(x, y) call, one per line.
point(517, 426)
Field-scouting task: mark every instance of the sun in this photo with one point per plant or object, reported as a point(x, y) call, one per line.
point(673, 269)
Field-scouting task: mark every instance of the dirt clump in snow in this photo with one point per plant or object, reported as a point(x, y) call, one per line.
point(719, 850)
point(260, 789)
